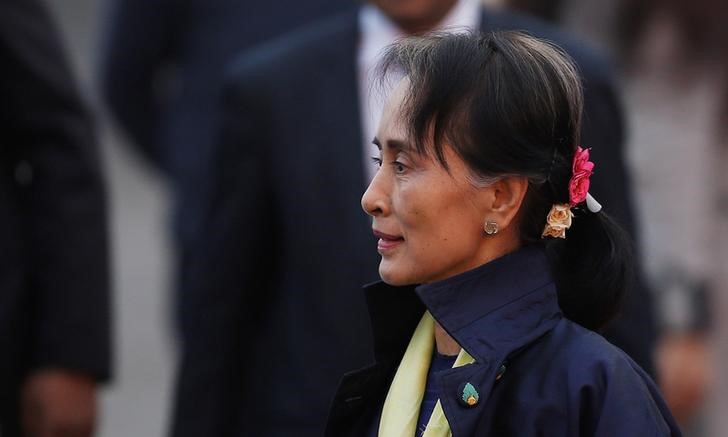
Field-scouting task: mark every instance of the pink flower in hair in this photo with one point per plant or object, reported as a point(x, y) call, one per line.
point(582, 170)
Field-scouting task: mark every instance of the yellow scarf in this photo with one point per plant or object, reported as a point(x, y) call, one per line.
point(402, 406)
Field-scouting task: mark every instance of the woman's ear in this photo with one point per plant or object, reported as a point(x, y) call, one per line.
point(506, 199)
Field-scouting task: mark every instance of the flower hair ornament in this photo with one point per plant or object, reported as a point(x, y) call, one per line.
point(561, 214)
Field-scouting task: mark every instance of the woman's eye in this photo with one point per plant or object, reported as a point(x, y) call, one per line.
point(396, 165)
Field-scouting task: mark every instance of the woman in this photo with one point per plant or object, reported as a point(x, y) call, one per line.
point(482, 198)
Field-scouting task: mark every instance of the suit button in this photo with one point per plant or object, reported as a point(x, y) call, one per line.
point(467, 395)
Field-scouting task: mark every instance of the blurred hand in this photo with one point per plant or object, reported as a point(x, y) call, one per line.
point(58, 403)
point(684, 372)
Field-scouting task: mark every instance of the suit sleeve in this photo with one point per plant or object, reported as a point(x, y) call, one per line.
point(138, 49)
point(229, 278)
point(603, 130)
point(62, 197)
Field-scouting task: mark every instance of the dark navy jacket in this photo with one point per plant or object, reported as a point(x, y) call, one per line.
point(557, 378)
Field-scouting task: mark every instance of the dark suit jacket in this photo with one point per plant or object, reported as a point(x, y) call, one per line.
point(54, 301)
point(276, 316)
point(535, 372)
point(161, 73)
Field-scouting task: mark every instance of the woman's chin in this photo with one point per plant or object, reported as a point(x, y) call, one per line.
point(393, 276)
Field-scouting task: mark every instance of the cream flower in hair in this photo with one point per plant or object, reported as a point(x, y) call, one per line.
point(558, 221)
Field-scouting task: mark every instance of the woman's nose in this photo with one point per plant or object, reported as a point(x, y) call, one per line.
point(374, 201)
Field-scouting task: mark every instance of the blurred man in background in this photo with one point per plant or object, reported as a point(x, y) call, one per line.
point(54, 291)
point(161, 72)
point(277, 315)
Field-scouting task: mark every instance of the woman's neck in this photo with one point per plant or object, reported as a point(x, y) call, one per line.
point(445, 344)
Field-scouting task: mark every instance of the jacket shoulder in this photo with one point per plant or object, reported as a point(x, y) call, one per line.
point(294, 53)
point(587, 357)
point(606, 386)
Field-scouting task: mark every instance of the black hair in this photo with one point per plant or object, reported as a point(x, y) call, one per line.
point(510, 104)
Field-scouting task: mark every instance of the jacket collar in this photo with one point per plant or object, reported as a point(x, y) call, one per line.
point(475, 307)
point(491, 310)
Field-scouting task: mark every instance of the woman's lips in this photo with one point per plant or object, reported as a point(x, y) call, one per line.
point(387, 242)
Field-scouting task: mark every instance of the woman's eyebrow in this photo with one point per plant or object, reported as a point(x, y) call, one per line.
point(398, 145)
point(395, 145)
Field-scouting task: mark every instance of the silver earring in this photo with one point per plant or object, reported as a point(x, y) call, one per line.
point(490, 227)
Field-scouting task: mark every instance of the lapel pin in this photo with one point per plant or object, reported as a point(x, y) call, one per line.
point(469, 395)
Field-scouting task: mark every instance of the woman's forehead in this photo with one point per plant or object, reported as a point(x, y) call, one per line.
point(392, 126)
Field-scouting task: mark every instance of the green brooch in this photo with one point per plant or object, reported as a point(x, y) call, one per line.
point(470, 395)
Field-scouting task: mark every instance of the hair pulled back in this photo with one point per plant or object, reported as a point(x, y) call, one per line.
point(510, 105)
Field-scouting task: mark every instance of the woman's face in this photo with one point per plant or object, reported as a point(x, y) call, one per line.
point(428, 221)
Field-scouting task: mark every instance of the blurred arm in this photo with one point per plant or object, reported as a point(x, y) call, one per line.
point(48, 133)
point(63, 203)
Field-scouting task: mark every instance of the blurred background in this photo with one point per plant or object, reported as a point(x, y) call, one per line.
point(671, 59)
